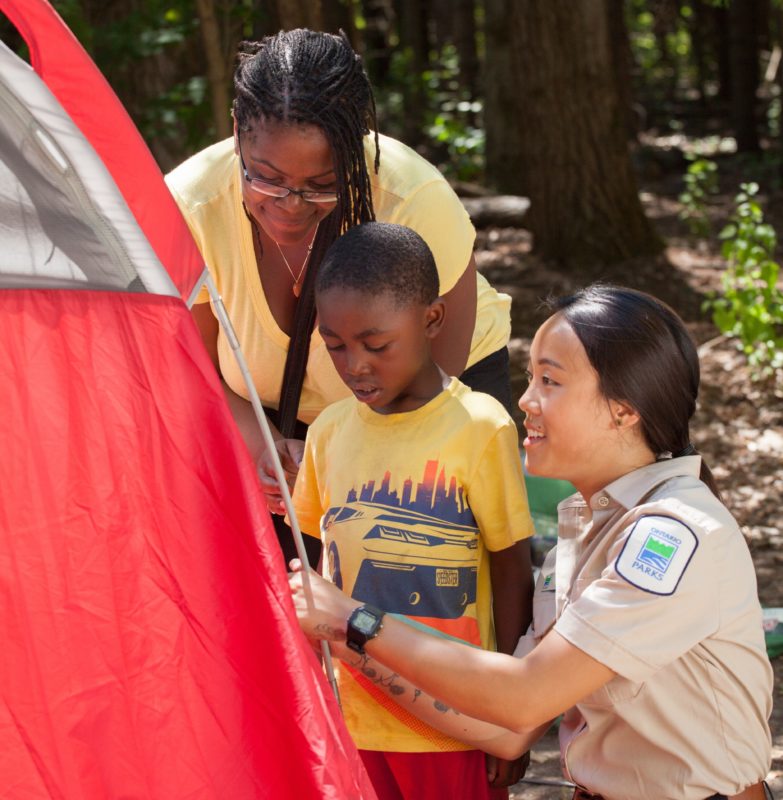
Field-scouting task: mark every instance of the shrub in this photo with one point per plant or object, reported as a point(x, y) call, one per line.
point(750, 307)
point(701, 181)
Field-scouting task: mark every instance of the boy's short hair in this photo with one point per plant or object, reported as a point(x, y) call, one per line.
point(380, 257)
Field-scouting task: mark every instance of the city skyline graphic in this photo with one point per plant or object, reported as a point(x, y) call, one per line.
point(431, 496)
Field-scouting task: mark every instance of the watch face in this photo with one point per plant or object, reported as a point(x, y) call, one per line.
point(364, 621)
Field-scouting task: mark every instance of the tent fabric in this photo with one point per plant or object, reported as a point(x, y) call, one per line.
point(149, 645)
point(56, 231)
point(150, 648)
point(82, 91)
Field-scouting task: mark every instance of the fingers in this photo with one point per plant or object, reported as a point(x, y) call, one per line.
point(270, 486)
point(268, 480)
point(290, 452)
point(295, 585)
point(267, 476)
point(290, 464)
point(492, 768)
point(502, 773)
point(275, 504)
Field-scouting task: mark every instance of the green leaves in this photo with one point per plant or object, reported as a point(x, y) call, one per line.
point(452, 118)
point(750, 307)
point(701, 181)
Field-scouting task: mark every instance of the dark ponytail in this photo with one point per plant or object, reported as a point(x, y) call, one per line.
point(645, 357)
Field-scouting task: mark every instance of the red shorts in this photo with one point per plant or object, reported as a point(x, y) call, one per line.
point(458, 775)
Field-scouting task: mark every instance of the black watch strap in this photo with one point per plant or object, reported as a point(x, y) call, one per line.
point(364, 624)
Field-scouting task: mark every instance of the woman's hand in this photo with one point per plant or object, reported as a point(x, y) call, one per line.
point(290, 452)
point(327, 617)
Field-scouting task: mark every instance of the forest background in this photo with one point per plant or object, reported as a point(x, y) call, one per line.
point(646, 134)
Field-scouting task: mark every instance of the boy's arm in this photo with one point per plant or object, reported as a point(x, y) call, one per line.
point(503, 517)
point(511, 574)
point(498, 499)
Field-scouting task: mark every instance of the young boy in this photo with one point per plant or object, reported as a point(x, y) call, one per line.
point(415, 487)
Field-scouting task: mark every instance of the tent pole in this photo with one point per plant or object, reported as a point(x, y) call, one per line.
point(269, 441)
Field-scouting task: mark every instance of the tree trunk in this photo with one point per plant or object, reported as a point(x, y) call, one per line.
point(777, 25)
point(465, 42)
point(696, 28)
point(337, 15)
point(744, 55)
point(266, 20)
point(764, 24)
point(664, 14)
point(556, 131)
point(720, 17)
point(503, 110)
point(379, 23)
point(217, 75)
point(300, 14)
point(412, 18)
point(441, 14)
point(621, 60)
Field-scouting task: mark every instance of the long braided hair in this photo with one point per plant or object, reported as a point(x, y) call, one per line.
point(312, 78)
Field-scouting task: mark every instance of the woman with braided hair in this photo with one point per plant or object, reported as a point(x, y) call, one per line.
point(306, 163)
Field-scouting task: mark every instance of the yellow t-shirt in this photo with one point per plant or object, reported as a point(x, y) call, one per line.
point(407, 190)
point(407, 506)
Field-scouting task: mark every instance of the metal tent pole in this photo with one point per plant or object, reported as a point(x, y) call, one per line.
point(269, 441)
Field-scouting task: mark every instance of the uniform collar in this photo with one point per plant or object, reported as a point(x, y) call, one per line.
point(629, 490)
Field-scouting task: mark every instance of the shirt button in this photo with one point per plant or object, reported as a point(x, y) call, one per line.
point(603, 501)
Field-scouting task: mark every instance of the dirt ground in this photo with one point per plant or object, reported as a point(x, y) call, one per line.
point(738, 426)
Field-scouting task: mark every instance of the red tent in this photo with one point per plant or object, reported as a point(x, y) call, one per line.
point(149, 647)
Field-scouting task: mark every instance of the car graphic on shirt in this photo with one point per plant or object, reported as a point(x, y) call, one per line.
point(412, 563)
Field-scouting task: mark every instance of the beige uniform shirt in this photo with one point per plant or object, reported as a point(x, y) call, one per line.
point(654, 580)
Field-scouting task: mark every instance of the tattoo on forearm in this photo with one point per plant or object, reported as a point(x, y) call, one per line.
point(443, 708)
point(328, 632)
point(365, 665)
point(369, 669)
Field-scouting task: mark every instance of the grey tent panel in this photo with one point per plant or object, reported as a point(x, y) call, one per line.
point(63, 221)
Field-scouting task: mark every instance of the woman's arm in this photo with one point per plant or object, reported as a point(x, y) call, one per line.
point(241, 410)
point(289, 450)
point(451, 347)
point(208, 327)
point(518, 694)
point(482, 735)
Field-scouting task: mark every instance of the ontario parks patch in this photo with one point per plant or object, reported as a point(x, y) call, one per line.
point(656, 554)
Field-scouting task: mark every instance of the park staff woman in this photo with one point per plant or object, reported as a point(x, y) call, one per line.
point(654, 649)
point(304, 164)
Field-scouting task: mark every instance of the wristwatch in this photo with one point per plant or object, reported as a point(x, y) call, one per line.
point(364, 624)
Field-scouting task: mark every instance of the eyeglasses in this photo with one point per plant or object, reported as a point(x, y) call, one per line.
point(275, 190)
